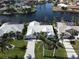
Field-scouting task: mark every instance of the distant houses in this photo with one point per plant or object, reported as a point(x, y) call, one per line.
point(66, 5)
point(68, 1)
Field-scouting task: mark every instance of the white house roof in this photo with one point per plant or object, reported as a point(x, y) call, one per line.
point(72, 27)
point(63, 27)
point(44, 28)
point(68, 28)
point(6, 28)
point(39, 28)
point(33, 23)
point(30, 31)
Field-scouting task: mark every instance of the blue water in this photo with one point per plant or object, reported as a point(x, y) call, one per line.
point(44, 10)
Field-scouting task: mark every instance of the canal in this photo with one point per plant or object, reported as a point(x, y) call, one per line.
point(43, 10)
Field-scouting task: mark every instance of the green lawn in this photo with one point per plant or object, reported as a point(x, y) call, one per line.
point(76, 46)
point(19, 50)
point(60, 53)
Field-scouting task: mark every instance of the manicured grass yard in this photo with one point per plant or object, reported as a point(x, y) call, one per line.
point(60, 53)
point(76, 46)
point(19, 50)
point(38, 51)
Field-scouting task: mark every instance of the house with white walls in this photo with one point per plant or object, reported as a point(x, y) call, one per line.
point(35, 27)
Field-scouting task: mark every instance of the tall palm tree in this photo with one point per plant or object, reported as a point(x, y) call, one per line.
point(42, 36)
point(51, 42)
point(54, 42)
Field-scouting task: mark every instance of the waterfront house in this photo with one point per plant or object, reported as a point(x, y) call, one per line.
point(64, 28)
point(35, 27)
point(6, 28)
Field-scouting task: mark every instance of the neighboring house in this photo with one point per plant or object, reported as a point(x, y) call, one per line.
point(67, 36)
point(63, 28)
point(6, 28)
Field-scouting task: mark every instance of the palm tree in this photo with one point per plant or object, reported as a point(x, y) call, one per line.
point(61, 36)
point(51, 42)
point(54, 22)
point(55, 44)
point(11, 35)
point(25, 28)
point(42, 36)
point(19, 35)
point(36, 35)
point(75, 20)
point(46, 20)
point(4, 44)
point(3, 47)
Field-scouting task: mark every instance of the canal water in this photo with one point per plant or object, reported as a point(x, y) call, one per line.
point(43, 10)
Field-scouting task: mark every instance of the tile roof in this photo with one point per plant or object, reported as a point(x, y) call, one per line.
point(72, 6)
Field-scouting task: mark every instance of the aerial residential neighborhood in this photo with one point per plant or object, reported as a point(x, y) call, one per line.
point(39, 29)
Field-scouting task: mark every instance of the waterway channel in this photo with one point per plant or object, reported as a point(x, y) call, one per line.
point(43, 10)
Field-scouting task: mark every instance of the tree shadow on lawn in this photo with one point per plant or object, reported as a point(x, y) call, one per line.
point(23, 48)
point(56, 57)
point(16, 57)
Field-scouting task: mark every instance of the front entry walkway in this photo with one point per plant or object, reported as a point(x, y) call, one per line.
point(69, 49)
point(30, 50)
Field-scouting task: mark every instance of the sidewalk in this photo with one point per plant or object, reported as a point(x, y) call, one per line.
point(30, 50)
point(71, 54)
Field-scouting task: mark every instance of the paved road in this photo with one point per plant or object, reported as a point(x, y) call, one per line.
point(30, 50)
point(69, 49)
